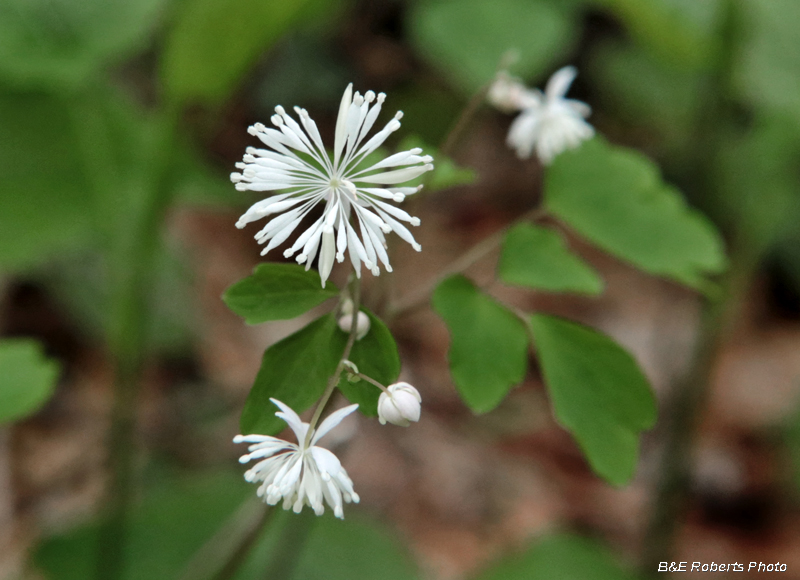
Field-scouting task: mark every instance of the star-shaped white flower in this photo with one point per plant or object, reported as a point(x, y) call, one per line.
point(548, 122)
point(298, 165)
point(299, 474)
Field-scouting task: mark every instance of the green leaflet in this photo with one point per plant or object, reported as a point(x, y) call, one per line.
point(488, 343)
point(539, 258)
point(599, 393)
point(277, 292)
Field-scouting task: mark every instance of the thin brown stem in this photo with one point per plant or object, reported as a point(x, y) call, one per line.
point(463, 121)
point(479, 251)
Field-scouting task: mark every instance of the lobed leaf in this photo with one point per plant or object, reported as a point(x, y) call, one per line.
point(488, 343)
point(615, 198)
point(538, 258)
point(598, 391)
point(277, 292)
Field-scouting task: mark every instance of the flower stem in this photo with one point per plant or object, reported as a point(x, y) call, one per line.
point(373, 381)
point(479, 251)
point(463, 121)
point(355, 291)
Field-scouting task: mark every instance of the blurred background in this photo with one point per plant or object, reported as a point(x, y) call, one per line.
point(119, 123)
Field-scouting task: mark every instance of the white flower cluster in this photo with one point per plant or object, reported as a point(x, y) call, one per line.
point(548, 122)
point(299, 474)
point(298, 165)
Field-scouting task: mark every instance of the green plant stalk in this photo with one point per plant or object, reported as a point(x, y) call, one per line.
point(681, 416)
point(130, 257)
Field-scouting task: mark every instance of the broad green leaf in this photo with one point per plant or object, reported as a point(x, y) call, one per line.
point(758, 194)
point(215, 42)
point(27, 378)
point(376, 356)
point(681, 33)
point(55, 44)
point(277, 292)
point(561, 557)
point(466, 39)
point(174, 519)
point(45, 206)
point(355, 548)
point(768, 68)
point(599, 393)
point(295, 371)
point(615, 198)
point(538, 258)
point(488, 343)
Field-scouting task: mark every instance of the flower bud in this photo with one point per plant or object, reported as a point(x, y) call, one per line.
point(400, 405)
point(362, 324)
point(506, 93)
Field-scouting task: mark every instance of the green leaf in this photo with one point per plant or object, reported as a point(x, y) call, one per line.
point(538, 258)
point(376, 356)
point(27, 378)
point(768, 68)
point(758, 194)
point(488, 343)
point(277, 292)
point(466, 39)
point(295, 371)
point(446, 173)
point(61, 43)
point(561, 557)
point(215, 42)
point(44, 206)
point(165, 529)
point(355, 548)
point(615, 198)
point(642, 91)
point(681, 33)
point(599, 393)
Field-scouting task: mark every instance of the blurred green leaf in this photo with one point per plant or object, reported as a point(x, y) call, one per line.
point(353, 549)
point(644, 91)
point(768, 69)
point(295, 371)
point(215, 42)
point(539, 258)
point(57, 44)
point(27, 378)
point(678, 32)
point(376, 356)
point(488, 343)
point(277, 292)
point(466, 39)
point(561, 557)
point(616, 199)
point(165, 530)
point(758, 193)
point(45, 205)
point(446, 173)
point(599, 393)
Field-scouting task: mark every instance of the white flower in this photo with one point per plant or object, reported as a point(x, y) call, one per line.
point(298, 474)
point(548, 122)
point(400, 406)
point(298, 163)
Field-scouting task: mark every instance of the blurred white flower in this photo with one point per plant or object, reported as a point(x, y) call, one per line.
point(298, 163)
point(400, 405)
point(298, 474)
point(548, 122)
